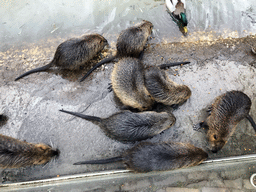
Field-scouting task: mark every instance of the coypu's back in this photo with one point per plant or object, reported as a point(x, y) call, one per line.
point(132, 41)
point(163, 156)
point(164, 90)
point(228, 110)
point(129, 127)
point(75, 52)
point(126, 126)
point(128, 83)
point(15, 153)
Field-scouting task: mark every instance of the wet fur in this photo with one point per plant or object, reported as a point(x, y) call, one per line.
point(128, 84)
point(130, 43)
point(146, 156)
point(73, 53)
point(163, 89)
point(15, 153)
point(225, 113)
point(127, 126)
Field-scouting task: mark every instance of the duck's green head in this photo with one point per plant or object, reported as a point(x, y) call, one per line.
point(184, 22)
point(183, 19)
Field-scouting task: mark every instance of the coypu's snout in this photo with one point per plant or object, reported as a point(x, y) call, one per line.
point(55, 152)
point(214, 150)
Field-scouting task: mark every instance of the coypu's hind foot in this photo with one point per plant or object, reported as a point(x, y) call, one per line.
point(175, 106)
point(110, 88)
point(209, 110)
point(199, 126)
point(141, 55)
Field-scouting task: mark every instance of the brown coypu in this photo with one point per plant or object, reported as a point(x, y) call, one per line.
point(74, 53)
point(128, 84)
point(15, 153)
point(130, 43)
point(127, 126)
point(226, 112)
point(146, 156)
point(138, 88)
point(163, 89)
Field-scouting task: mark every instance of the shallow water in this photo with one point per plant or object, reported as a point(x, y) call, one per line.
point(33, 20)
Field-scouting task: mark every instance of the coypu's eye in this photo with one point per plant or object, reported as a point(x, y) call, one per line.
point(215, 137)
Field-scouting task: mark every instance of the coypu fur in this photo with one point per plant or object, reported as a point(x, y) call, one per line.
point(130, 43)
point(128, 84)
point(138, 88)
point(127, 126)
point(73, 53)
point(15, 153)
point(225, 113)
point(146, 156)
point(163, 89)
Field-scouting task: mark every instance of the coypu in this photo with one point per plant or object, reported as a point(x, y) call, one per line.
point(74, 53)
point(15, 153)
point(130, 43)
point(163, 89)
point(147, 156)
point(225, 113)
point(128, 84)
point(127, 126)
point(134, 86)
point(3, 120)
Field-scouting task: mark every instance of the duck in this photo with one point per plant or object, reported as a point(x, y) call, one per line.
point(177, 10)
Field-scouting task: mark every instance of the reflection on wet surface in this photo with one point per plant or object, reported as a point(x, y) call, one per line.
point(218, 64)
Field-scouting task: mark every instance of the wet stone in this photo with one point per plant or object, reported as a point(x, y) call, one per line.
point(237, 184)
point(198, 176)
point(199, 184)
point(170, 180)
point(135, 185)
point(209, 189)
point(174, 189)
point(247, 184)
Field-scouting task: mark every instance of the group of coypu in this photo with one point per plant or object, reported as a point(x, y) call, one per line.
point(140, 90)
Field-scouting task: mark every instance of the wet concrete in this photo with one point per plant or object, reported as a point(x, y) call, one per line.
point(32, 103)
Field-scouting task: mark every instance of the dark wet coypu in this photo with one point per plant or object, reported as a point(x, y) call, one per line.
point(226, 112)
point(74, 53)
point(130, 43)
point(127, 126)
point(146, 156)
point(3, 119)
point(163, 89)
point(15, 153)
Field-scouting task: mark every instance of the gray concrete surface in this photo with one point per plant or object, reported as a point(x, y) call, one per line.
point(32, 103)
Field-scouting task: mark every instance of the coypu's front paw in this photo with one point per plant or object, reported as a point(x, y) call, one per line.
point(197, 127)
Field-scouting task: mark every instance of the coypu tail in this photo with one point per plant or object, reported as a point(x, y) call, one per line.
point(106, 60)
point(251, 121)
point(86, 117)
point(164, 66)
point(102, 161)
point(44, 68)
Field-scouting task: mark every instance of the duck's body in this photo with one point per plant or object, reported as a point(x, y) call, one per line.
point(177, 9)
